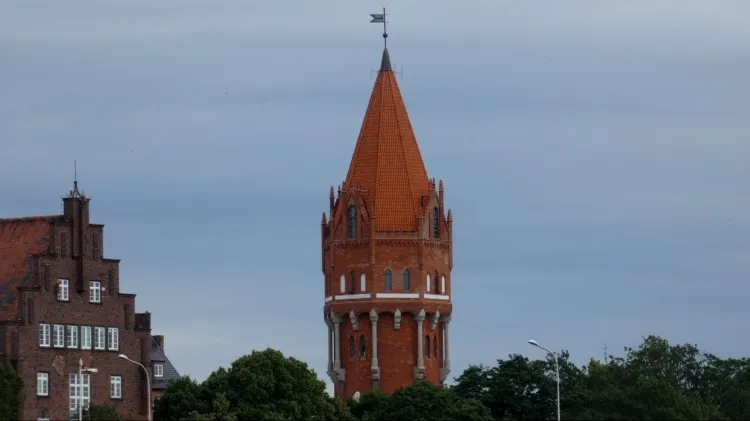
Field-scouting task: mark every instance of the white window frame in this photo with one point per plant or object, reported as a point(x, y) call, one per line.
point(42, 419)
point(100, 338)
point(158, 370)
point(58, 336)
point(63, 289)
point(42, 384)
point(95, 292)
point(362, 283)
point(442, 284)
point(74, 390)
point(115, 387)
point(45, 335)
point(113, 339)
point(342, 281)
point(72, 339)
point(85, 337)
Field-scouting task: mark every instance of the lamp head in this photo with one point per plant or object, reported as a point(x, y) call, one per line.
point(533, 342)
point(123, 356)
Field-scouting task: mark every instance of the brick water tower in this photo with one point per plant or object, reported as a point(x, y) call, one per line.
point(387, 258)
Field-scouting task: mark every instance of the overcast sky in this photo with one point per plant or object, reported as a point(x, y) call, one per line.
point(595, 155)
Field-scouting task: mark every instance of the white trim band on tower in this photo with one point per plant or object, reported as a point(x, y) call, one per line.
point(353, 296)
point(328, 299)
point(437, 297)
point(397, 295)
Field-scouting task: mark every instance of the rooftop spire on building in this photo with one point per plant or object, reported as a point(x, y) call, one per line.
point(386, 163)
point(75, 193)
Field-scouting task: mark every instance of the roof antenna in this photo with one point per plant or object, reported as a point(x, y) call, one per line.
point(75, 192)
point(380, 18)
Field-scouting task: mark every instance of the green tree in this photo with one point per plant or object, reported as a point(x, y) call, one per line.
point(263, 385)
point(102, 413)
point(11, 392)
point(183, 397)
point(420, 402)
point(518, 388)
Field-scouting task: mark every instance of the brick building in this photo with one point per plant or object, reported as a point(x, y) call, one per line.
point(60, 302)
point(387, 258)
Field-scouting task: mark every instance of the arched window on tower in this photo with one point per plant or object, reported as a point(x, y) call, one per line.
point(352, 347)
point(362, 346)
point(437, 286)
point(435, 223)
point(352, 280)
point(388, 281)
point(429, 288)
point(434, 346)
point(352, 223)
point(427, 345)
point(362, 283)
point(407, 280)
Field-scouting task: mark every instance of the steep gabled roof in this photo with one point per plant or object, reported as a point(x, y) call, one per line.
point(20, 240)
point(159, 357)
point(387, 163)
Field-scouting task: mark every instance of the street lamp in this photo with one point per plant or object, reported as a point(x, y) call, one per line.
point(557, 373)
point(148, 381)
point(81, 370)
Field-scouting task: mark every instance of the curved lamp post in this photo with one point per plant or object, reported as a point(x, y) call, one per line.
point(148, 382)
point(557, 373)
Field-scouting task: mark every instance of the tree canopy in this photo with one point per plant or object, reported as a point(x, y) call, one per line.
point(655, 381)
point(11, 392)
point(263, 385)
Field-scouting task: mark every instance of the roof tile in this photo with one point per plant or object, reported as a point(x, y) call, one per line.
point(387, 163)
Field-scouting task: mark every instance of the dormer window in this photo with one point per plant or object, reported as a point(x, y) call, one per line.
point(388, 281)
point(435, 223)
point(158, 370)
point(407, 280)
point(352, 223)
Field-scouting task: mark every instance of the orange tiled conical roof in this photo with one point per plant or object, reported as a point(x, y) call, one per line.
point(386, 161)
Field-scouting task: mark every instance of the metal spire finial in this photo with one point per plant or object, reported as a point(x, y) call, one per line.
point(380, 18)
point(75, 193)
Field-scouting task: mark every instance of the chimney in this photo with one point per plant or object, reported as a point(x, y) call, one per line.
point(160, 340)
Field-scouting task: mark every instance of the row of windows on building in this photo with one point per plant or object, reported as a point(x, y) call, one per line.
point(80, 393)
point(429, 351)
point(432, 283)
point(352, 223)
point(79, 337)
point(63, 290)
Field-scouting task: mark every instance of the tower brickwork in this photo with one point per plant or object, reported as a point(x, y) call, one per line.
point(387, 258)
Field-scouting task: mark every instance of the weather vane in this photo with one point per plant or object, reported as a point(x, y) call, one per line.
point(380, 18)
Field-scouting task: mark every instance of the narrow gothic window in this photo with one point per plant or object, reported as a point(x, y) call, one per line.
point(388, 281)
point(352, 227)
point(362, 346)
point(407, 280)
point(437, 287)
point(427, 345)
point(435, 223)
point(434, 344)
point(352, 347)
point(352, 280)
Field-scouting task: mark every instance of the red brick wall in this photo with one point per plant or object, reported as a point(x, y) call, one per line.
point(60, 362)
point(397, 349)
